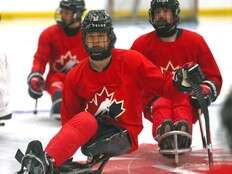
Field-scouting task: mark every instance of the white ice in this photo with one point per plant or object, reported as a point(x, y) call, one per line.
point(19, 39)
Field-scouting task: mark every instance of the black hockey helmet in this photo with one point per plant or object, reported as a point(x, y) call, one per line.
point(78, 8)
point(165, 29)
point(98, 21)
point(74, 5)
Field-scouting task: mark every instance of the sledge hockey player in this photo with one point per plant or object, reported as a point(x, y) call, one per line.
point(5, 112)
point(60, 46)
point(101, 107)
point(169, 48)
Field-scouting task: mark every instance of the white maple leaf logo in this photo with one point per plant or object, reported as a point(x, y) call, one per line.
point(104, 102)
point(61, 63)
point(169, 68)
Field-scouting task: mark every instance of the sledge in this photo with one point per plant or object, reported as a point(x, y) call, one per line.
point(148, 159)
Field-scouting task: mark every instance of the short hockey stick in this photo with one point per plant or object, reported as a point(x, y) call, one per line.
point(195, 77)
point(201, 129)
point(36, 104)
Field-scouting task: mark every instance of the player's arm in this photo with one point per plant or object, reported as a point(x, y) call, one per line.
point(211, 85)
point(72, 104)
point(152, 80)
point(192, 74)
point(35, 80)
point(209, 66)
point(43, 53)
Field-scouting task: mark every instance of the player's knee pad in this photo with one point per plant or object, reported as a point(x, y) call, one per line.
point(55, 86)
point(112, 142)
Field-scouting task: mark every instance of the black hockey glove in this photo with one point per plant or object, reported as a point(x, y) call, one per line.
point(186, 75)
point(208, 90)
point(36, 85)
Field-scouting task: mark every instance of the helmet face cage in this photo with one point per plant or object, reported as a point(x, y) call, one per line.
point(101, 38)
point(98, 21)
point(170, 4)
point(77, 6)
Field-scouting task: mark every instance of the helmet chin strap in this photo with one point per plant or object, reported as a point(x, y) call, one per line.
point(69, 30)
point(166, 32)
point(165, 29)
point(100, 55)
point(100, 64)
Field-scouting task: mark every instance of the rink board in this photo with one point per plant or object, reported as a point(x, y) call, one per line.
point(148, 160)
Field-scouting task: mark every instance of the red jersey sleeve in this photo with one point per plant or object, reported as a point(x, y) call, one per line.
point(208, 64)
point(71, 102)
point(43, 52)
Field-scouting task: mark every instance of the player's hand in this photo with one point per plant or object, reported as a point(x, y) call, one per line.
point(208, 90)
point(181, 77)
point(36, 85)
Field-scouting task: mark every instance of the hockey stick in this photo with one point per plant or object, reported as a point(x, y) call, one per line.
point(195, 77)
point(204, 109)
point(36, 104)
point(201, 129)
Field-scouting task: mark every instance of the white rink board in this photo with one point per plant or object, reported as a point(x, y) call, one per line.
point(145, 4)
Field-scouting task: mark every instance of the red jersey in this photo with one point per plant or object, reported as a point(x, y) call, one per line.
point(56, 48)
point(188, 47)
point(119, 87)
